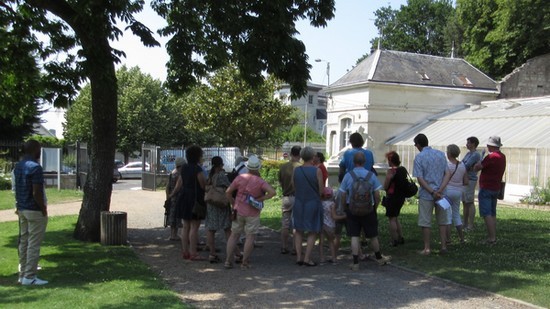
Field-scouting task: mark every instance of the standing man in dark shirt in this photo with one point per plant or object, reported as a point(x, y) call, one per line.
point(32, 211)
point(286, 173)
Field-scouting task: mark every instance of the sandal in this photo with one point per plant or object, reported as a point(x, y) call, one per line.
point(245, 265)
point(284, 251)
point(228, 265)
point(213, 259)
point(424, 252)
point(310, 263)
point(186, 255)
point(300, 263)
point(197, 257)
point(238, 258)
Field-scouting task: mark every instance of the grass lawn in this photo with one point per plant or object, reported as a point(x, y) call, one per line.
point(7, 198)
point(518, 266)
point(81, 275)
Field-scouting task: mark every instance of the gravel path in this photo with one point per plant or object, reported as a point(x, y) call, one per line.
point(274, 281)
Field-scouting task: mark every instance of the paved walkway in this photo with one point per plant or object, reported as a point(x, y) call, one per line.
point(274, 280)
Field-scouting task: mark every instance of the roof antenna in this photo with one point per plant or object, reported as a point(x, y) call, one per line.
point(453, 50)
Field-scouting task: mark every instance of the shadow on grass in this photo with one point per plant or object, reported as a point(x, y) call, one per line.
point(517, 266)
point(78, 271)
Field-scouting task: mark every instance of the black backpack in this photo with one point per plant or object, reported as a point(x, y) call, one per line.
point(234, 173)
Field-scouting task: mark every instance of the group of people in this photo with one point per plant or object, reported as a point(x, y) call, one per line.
point(312, 211)
point(186, 193)
point(445, 182)
point(309, 206)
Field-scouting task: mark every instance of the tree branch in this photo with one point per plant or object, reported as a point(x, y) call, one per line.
point(59, 8)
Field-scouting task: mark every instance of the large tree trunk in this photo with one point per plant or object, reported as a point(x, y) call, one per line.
point(98, 187)
point(92, 27)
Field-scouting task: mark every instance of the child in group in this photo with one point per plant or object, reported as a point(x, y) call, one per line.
point(329, 224)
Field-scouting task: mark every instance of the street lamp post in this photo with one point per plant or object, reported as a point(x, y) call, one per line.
point(328, 69)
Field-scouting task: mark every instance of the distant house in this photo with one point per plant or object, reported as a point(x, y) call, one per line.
point(390, 91)
point(314, 105)
point(39, 129)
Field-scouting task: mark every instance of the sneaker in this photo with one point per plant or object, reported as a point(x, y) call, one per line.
point(354, 267)
point(384, 260)
point(33, 281)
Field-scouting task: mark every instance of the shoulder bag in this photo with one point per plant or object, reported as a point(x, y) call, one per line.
point(215, 195)
point(409, 187)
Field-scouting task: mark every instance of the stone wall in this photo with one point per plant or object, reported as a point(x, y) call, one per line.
point(532, 79)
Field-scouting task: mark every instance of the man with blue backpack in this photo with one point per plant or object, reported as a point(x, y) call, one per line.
point(360, 190)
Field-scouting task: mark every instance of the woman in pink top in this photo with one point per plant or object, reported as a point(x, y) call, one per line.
point(252, 190)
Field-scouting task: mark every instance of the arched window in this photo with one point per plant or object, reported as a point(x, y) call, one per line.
point(345, 131)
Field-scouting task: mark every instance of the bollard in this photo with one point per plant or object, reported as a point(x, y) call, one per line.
point(113, 228)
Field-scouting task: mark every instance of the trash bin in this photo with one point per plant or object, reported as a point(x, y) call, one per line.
point(114, 228)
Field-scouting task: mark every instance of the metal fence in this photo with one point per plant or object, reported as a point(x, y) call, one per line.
point(11, 150)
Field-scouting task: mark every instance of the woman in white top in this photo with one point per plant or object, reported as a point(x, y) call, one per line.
point(455, 188)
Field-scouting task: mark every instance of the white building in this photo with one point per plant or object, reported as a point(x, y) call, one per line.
point(391, 91)
point(313, 105)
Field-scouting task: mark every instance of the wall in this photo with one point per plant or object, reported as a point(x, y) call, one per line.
point(386, 110)
point(532, 79)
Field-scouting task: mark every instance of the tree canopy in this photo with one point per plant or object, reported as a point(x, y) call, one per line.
point(496, 36)
point(146, 114)
point(418, 27)
point(501, 35)
point(204, 36)
point(236, 113)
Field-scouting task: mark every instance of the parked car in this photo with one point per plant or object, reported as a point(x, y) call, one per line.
point(133, 170)
point(119, 163)
point(116, 174)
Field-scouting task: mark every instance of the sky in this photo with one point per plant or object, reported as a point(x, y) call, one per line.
point(344, 40)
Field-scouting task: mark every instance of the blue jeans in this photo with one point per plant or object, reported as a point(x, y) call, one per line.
point(487, 200)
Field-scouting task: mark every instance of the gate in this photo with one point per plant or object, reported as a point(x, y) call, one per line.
point(157, 164)
point(149, 160)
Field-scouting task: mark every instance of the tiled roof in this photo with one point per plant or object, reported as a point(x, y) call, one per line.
point(388, 66)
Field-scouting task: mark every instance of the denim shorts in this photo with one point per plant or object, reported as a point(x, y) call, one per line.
point(487, 201)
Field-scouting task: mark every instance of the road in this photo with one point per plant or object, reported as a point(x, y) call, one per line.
point(127, 184)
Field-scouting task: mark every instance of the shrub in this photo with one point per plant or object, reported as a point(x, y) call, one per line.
point(270, 173)
point(5, 174)
point(539, 195)
point(5, 181)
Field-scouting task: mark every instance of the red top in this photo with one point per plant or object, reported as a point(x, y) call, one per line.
point(493, 166)
point(324, 172)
